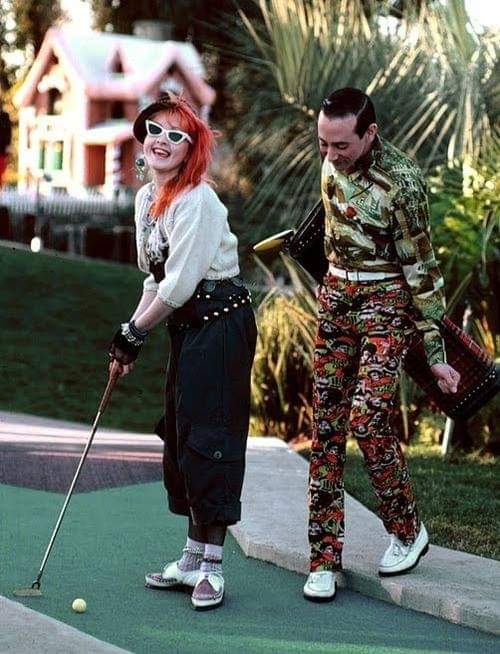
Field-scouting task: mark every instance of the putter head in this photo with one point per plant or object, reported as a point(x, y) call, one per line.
point(27, 592)
point(275, 242)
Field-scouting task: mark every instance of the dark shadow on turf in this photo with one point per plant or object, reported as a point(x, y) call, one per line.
point(44, 468)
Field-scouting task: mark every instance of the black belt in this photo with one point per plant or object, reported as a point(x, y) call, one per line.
point(212, 299)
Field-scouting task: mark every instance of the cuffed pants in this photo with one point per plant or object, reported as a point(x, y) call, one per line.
point(207, 403)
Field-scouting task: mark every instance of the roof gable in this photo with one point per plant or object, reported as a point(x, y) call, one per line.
point(90, 56)
point(117, 63)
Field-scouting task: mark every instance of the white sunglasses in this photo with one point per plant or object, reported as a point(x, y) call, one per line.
point(174, 136)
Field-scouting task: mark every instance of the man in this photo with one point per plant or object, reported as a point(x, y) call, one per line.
point(382, 282)
point(5, 139)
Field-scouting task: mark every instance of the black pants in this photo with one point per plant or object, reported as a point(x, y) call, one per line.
point(207, 403)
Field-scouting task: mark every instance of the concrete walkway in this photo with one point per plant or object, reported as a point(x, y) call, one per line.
point(456, 586)
point(23, 631)
point(459, 587)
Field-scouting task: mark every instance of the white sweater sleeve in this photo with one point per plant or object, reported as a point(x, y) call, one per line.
point(149, 284)
point(198, 225)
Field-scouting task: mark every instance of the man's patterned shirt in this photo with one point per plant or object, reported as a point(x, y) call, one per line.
point(377, 219)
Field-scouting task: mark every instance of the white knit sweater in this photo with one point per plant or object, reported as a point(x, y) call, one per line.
point(200, 243)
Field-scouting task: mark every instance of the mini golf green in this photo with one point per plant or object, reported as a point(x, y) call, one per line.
point(109, 538)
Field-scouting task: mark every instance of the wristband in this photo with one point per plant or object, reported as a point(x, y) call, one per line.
point(137, 332)
point(128, 342)
point(132, 334)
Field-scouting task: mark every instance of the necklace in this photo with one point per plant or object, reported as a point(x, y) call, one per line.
point(151, 192)
point(151, 196)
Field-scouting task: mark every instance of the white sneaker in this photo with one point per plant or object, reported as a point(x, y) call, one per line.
point(400, 558)
point(171, 576)
point(321, 586)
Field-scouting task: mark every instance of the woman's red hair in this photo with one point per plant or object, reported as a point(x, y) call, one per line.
point(199, 157)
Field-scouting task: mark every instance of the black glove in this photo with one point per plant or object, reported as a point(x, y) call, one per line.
point(126, 343)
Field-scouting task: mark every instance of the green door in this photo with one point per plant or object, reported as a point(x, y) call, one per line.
point(56, 156)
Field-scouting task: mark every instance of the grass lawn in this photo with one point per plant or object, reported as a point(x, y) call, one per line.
point(458, 497)
point(58, 316)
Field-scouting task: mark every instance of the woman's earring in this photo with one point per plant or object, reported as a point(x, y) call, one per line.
point(140, 168)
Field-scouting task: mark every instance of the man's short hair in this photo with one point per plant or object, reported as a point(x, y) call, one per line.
point(347, 101)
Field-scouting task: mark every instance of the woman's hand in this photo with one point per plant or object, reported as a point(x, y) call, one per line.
point(125, 346)
point(123, 360)
point(124, 368)
point(446, 376)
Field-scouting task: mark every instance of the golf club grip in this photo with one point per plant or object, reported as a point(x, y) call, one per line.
point(113, 376)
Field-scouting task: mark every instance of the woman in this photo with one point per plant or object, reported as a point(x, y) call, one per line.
point(185, 245)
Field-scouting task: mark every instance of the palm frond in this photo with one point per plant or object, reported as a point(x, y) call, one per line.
point(432, 80)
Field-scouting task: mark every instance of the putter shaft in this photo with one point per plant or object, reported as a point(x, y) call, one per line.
point(66, 501)
point(113, 376)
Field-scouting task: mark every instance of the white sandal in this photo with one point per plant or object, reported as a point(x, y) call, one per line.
point(172, 575)
point(209, 591)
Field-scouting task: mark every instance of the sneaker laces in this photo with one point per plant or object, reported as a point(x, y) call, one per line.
point(320, 574)
point(397, 547)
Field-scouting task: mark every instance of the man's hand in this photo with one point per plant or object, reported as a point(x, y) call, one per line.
point(446, 376)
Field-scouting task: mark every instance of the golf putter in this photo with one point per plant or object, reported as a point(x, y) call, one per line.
point(34, 590)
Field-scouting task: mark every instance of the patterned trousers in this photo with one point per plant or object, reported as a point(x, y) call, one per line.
point(361, 341)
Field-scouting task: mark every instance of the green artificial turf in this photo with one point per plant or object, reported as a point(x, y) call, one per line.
point(108, 540)
point(58, 317)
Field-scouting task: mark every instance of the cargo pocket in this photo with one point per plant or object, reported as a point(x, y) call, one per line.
point(212, 465)
point(217, 445)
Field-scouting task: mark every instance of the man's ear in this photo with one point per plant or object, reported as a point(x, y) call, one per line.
point(372, 131)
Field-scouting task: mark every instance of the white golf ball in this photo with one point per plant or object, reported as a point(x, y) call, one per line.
point(79, 605)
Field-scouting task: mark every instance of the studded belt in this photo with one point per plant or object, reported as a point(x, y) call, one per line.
point(208, 305)
point(233, 302)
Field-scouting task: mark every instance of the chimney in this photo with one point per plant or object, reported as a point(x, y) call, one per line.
point(156, 30)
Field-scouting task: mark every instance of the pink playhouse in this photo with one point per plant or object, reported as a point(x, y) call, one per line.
point(80, 97)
